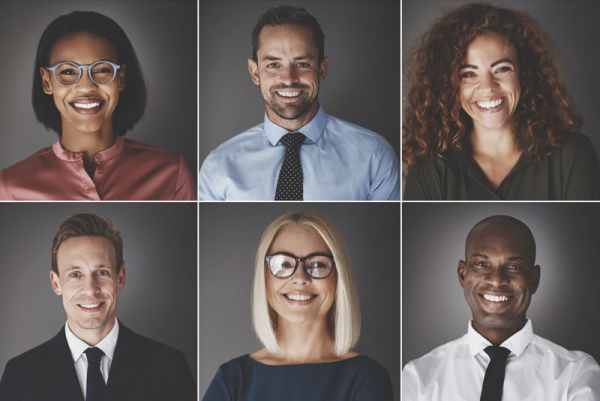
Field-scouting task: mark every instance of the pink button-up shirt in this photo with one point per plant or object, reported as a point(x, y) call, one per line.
point(128, 170)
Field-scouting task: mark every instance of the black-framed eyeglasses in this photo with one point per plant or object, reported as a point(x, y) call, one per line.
point(317, 265)
point(69, 72)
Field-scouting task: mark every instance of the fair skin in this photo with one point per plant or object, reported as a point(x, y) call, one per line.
point(84, 129)
point(302, 326)
point(288, 73)
point(88, 283)
point(489, 94)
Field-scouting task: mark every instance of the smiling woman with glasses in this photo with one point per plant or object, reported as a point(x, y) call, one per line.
point(306, 314)
point(88, 87)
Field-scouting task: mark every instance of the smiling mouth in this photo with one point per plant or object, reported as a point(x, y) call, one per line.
point(91, 307)
point(87, 106)
point(299, 298)
point(490, 105)
point(288, 93)
point(494, 298)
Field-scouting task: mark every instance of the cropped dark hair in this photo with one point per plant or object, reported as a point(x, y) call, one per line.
point(283, 15)
point(87, 224)
point(434, 122)
point(132, 101)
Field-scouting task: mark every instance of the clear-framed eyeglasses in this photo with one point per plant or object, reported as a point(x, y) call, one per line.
point(316, 265)
point(69, 72)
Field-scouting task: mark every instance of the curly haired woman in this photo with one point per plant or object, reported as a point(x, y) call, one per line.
point(487, 117)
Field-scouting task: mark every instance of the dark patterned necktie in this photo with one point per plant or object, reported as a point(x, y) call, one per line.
point(96, 388)
point(494, 374)
point(290, 182)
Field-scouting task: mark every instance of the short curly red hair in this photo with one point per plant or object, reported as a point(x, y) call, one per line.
point(434, 122)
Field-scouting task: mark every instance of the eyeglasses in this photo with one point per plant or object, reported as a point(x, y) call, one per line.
point(316, 265)
point(69, 72)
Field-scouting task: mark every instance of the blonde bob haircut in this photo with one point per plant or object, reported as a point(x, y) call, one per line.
point(344, 316)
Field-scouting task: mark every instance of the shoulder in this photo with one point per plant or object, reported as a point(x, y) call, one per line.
point(436, 357)
point(251, 138)
point(353, 134)
point(549, 349)
point(35, 160)
point(35, 357)
point(151, 152)
point(146, 348)
point(426, 179)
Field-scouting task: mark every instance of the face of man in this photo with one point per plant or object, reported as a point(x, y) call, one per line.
point(89, 284)
point(288, 72)
point(499, 277)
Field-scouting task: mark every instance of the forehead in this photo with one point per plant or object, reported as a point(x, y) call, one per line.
point(298, 239)
point(287, 39)
point(82, 47)
point(504, 242)
point(86, 251)
point(489, 48)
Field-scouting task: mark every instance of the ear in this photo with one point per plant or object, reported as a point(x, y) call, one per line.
point(253, 71)
point(323, 68)
point(55, 283)
point(121, 276)
point(462, 271)
point(46, 81)
point(122, 77)
point(535, 278)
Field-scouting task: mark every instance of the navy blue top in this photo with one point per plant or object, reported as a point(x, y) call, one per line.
point(355, 379)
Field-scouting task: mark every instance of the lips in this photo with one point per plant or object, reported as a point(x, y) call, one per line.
point(490, 105)
point(299, 298)
point(87, 105)
point(91, 307)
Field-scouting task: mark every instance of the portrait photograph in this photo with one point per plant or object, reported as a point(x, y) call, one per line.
point(496, 105)
point(79, 278)
point(103, 100)
point(299, 301)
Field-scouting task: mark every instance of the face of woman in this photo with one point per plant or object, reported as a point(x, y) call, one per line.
point(300, 298)
point(84, 106)
point(489, 82)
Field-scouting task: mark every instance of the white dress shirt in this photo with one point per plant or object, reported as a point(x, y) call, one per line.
point(536, 370)
point(78, 347)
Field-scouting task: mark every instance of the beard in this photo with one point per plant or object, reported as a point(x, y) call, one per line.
point(290, 111)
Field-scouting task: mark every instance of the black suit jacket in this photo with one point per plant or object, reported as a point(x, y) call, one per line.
point(142, 369)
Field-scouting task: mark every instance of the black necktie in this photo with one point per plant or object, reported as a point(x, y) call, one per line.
point(494, 374)
point(290, 183)
point(96, 388)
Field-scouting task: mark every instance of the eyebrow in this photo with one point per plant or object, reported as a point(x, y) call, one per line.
point(504, 60)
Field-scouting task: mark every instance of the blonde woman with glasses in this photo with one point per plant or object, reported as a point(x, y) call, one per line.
point(306, 314)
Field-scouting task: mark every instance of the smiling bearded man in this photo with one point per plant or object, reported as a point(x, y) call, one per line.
point(500, 357)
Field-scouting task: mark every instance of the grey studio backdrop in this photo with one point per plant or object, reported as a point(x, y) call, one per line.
point(362, 42)
point(164, 36)
point(229, 236)
point(160, 253)
point(573, 30)
point(563, 310)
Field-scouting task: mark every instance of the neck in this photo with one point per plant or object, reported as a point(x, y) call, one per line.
point(294, 124)
point(494, 143)
point(89, 143)
point(305, 342)
point(498, 335)
point(91, 336)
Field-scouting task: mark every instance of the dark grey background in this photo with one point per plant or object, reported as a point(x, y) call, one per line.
point(164, 35)
point(573, 29)
point(159, 298)
point(563, 310)
point(362, 41)
point(229, 236)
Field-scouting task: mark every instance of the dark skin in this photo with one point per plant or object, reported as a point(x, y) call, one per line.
point(499, 276)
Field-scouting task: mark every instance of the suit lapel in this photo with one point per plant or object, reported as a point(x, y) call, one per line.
point(62, 372)
point(124, 371)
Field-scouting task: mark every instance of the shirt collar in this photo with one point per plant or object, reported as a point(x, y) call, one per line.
point(313, 130)
point(109, 153)
point(515, 343)
point(78, 346)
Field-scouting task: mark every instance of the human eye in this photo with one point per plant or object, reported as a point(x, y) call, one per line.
point(105, 273)
point(304, 64)
point(75, 274)
point(69, 71)
point(504, 69)
point(467, 75)
point(480, 265)
point(273, 65)
point(514, 267)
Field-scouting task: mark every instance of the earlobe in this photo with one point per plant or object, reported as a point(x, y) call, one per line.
point(461, 272)
point(323, 68)
point(55, 283)
point(253, 71)
point(122, 275)
point(122, 77)
point(536, 278)
point(46, 81)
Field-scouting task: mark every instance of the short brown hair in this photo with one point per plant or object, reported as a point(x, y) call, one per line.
point(87, 224)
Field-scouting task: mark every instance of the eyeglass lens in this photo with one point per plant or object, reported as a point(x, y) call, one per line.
point(69, 73)
point(283, 266)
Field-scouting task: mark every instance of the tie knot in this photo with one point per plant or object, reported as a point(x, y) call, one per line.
point(497, 353)
point(94, 355)
point(292, 139)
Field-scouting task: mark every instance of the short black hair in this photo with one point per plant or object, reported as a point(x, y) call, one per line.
point(282, 15)
point(132, 102)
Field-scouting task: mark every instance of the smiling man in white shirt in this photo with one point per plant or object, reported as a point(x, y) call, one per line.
point(500, 357)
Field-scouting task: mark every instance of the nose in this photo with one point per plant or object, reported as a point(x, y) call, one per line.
point(91, 284)
point(497, 277)
point(300, 277)
point(289, 75)
point(488, 83)
point(86, 81)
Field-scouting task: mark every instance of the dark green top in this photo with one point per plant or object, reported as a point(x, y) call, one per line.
point(569, 172)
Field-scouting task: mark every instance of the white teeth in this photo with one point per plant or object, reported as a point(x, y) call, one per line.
point(298, 297)
point(288, 93)
point(490, 104)
point(495, 298)
point(89, 306)
point(86, 105)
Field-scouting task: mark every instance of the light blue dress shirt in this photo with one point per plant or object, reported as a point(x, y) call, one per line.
point(340, 161)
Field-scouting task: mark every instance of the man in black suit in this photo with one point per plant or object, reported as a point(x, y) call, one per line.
point(94, 357)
